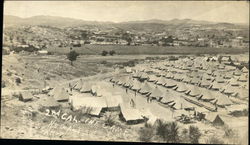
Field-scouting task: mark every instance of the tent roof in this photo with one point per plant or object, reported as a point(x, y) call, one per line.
point(146, 87)
point(78, 85)
point(157, 92)
point(131, 114)
point(236, 107)
point(112, 100)
point(153, 78)
point(26, 95)
point(136, 85)
point(161, 80)
point(223, 99)
point(87, 86)
point(48, 102)
point(181, 87)
point(61, 94)
point(170, 83)
point(93, 102)
point(207, 94)
point(216, 85)
point(194, 91)
point(244, 70)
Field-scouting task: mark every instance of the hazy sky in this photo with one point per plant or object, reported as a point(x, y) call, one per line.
point(119, 11)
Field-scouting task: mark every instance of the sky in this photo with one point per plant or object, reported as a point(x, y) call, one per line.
point(121, 11)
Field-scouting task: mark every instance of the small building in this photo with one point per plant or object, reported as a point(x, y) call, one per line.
point(26, 96)
point(43, 52)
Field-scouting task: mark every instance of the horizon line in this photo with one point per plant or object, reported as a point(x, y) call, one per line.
point(242, 23)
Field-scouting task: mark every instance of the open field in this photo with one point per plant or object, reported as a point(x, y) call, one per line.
point(146, 50)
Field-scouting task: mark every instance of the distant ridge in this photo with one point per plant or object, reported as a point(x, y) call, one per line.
point(57, 21)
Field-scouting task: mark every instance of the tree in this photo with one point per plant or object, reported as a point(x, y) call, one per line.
point(72, 56)
point(194, 134)
point(112, 52)
point(104, 53)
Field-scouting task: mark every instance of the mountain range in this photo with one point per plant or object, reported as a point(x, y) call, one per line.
point(56, 21)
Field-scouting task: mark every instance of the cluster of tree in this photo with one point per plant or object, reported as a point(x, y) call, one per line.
point(104, 53)
point(30, 48)
point(169, 132)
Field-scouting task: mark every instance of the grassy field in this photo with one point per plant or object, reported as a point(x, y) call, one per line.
point(146, 50)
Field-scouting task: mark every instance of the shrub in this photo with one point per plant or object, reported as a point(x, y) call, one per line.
point(184, 138)
point(109, 120)
point(161, 128)
point(18, 81)
point(167, 131)
point(214, 140)
point(230, 133)
point(194, 134)
point(112, 52)
point(104, 53)
point(103, 62)
point(173, 132)
point(146, 133)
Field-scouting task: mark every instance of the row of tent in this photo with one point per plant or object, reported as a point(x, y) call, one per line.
point(158, 92)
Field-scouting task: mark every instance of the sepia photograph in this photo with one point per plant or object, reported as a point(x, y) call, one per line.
point(126, 71)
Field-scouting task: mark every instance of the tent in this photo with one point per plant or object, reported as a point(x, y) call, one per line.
point(136, 75)
point(207, 77)
point(146, 88)
point(114, 79)
point(194, 91)
point(60, 94)
point(25, 96)
point(48, 102)
point(161, 81)
point(143, 76)
point(209, 72)
point(216, 86)
point(131, 115)
point(237, 72)
point(222, 100)
point(157, 93)
point(78, 85)
point(236, 107)
point(205, 83)
point(136, 85)
point(178, 77)
point(207, 95)
point(170, 83)
point(187, 79)
point(233, 82)
point(230, 68)
point(122, 80)
point(228, 89)
point(181, 87)
point(128, 82)
point(244, 70)
point(243, 78)
point(195, 81)
point(219, 79)
point(86, 87)
point(241, 93)
point(113, 101)
point(169, 75)
point(216, 73)
point(92, 105)
point(228, 76)
point(152, 78)
point(181, 103)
